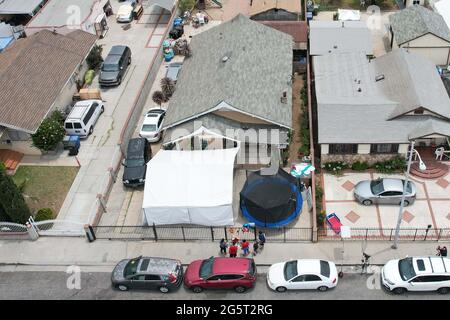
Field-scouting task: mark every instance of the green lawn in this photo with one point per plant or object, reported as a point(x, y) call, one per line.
point(44, 186)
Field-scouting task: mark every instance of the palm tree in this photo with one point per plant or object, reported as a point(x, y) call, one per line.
point(158, 97)
point(167, 86)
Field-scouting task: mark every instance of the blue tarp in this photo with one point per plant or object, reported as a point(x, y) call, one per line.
point(5, 42)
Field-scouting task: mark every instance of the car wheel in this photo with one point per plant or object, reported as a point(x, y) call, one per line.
point(322, 288)
point(443, 290)
point(406, 203)
point(240, 289)
point(91, 129)
point(129, 60)
point(367, 202)
point(122, 287)
point(102, 109)
point(197, 289)
point(164, 289)
point(399, 290)
point(280, 289)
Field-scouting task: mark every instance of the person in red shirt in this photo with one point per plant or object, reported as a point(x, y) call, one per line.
point(245, 247)
point(233, 250)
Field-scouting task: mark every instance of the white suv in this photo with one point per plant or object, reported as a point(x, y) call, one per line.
point(417, 274)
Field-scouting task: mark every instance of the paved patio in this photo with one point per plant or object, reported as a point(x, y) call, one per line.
point(432, 205)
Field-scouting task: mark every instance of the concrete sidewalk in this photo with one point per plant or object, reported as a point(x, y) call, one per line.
point(48, 251)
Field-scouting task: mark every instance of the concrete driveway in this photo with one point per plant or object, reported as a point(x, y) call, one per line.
point(432, 205)
point(97, 151)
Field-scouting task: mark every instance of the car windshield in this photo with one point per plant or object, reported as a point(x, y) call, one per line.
point(110, 67)
point(131, 268)
point(406, 269)
point(206, 268)
point(325, 268)
point(134, 163)
point(376, 186)
point(149, 127)
point(290, 270)
point(408, 186)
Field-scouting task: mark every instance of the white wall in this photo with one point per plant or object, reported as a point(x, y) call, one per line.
point(324, 148)
point(363, 148)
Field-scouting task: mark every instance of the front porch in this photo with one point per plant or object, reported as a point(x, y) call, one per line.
point(434, 152)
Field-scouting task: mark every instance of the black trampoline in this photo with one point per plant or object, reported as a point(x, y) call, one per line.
point(271, 201)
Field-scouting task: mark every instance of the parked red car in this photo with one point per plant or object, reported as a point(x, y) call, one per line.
point(221, 273)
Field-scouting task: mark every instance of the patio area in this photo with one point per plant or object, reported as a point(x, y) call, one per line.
point(432, 205)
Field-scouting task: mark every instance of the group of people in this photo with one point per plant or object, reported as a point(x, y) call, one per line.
point(441, 251)
point(244, 244)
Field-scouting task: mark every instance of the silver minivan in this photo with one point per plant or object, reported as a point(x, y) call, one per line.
point(83, 116)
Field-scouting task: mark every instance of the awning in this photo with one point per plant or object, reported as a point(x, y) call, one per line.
point(190, 187)
point(19, 6)
point(165, 4)
point(349, 15)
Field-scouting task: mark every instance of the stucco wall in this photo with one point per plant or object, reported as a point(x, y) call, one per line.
point(430, 47)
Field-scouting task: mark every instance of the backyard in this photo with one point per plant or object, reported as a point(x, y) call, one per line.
point(328, 5)
point(44, 186)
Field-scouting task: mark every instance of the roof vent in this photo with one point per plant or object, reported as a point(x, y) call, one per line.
point(225, 59)
point(379, 77)
point(284, 97)
point(359, 90)
point(335, 46)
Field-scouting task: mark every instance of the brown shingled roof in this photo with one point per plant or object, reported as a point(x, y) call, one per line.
point(297, 29)
point(33, 71)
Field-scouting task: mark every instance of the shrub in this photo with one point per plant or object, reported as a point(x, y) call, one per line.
point(186, 5)
point(94, 59)
point(12, 204)
point(58, 116)
point(44, 214)
point(49, 134)
point(360, 166)
point(390, 166)
point(167, 86)
point(320, 218)
point(335, 167)
point(89, 76)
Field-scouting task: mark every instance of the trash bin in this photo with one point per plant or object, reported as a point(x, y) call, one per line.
point(73, 145)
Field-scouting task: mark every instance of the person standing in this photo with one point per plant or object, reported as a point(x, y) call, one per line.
point(262, 239)
point(223, 246)
point(233, 250)
point(245, 245)
point(255, 248)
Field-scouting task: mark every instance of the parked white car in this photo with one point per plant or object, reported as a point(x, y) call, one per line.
point(125, 12)
point(302, 274)
point(417, 274)
point(152, 125)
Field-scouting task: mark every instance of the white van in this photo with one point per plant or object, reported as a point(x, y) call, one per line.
point(82, 118)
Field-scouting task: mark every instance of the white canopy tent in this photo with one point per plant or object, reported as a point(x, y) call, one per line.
point(349, 15)
point(190, 187)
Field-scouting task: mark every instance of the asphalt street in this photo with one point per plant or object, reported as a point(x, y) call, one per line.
point(96, 286)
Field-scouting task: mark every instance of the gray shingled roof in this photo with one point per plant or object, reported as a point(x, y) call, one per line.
point(258, 70)
point(429, 127)
point(349, 115)
point(416, 21)
point(338, 37)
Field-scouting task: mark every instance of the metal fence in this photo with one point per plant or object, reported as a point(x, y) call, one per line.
point(199, 233)
point(405, 234)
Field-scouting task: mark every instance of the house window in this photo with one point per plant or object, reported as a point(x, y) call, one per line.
point(416, 2)
point(384, 148)
point(343, 149)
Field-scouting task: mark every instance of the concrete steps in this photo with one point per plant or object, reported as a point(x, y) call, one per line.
point(434, 170)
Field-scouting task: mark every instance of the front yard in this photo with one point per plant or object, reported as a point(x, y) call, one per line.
point(45, 186)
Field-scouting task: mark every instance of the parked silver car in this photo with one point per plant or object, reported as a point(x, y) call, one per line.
point(384, 191)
